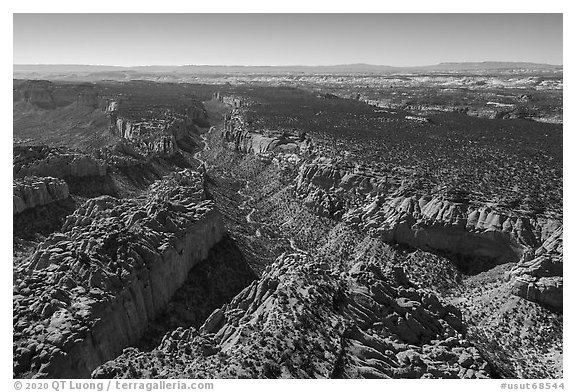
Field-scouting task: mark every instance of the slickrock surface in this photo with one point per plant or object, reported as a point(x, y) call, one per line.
point(31, 192)
point(91, 290)
point(47, 161)
point(307, 319)
point(540, 279)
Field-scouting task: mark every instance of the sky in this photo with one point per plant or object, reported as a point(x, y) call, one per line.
point(285, 39)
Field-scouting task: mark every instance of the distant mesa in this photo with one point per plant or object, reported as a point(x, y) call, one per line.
point(44, 70)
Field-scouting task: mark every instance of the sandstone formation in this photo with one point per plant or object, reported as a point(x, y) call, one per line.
point(151, 286)
point(90, 291)
point(88, 98)
point(238, 136)
point(387, 206)
point(457, 227)
point(34, 92)
point(31, 192)
point(44, 161)
point(156, 132)
point(330, 186)
point(48, 95)
point(540, 279)
point(379, 204)
point(306, 319)
point(233, 101)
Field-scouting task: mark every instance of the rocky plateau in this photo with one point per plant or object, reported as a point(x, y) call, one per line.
point(222, 231)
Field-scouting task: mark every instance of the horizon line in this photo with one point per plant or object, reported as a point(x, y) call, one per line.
point(288, 65)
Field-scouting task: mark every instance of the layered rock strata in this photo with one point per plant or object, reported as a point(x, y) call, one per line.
point(49, 95)
point(92, 289)
point(385, 208)
point(237, 135)
point(306, 319)
point(540, 278)
point(32, 192)
point(433, 222)
point(44, 161)
point(380, 204)
point(330, 187)
point(230, 100)
point(158, 133)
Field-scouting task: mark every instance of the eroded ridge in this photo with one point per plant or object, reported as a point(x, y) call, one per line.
point(58, 162)
point(480, 233)
point(240, 136)
point(156, 130)
point(539, 278)
point(304, 318)
point(92, 289)
point(32, 192)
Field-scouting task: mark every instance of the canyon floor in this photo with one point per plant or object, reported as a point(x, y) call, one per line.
point(218, 231)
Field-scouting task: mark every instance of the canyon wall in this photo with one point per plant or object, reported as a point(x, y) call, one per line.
point(480, 234)
point(44, 161)
point(237, 135)
point(157, 132)
point(539, 277)
point(305, 318)
point(31, 192)
point(381, 206)
point(47, 95)
point(385, 204)
point(91, 290)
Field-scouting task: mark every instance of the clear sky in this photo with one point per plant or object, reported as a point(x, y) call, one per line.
point(285, 39)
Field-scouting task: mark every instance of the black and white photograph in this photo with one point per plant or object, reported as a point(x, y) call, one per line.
point(203, 196)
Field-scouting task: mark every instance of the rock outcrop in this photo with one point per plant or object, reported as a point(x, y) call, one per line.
point(157, 132)
point(36, 92)
point(31, 192)
point(540, 279)
point(387, 208)
point(149, 138)
point(91, 290)
point(230, 100)
point(238, 136)
point(48, 95)
point(306, 319)
point(329, 187)
point(456, 227)
point(44, 161)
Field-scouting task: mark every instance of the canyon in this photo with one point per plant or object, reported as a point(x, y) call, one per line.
point(286, 244)
point(91, 290)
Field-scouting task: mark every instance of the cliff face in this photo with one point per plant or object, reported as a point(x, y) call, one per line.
point(91, 290)
point(32, 192)
point(381, 206)
point(44, 161)
point(48, 95)
point(329, 187)
point(232, 101)
point(540, 279)
point(161, 133)
point(147, 138)
point(458, 228)
point(306, 319)
point(238, 136)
